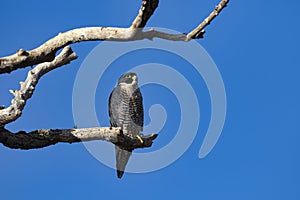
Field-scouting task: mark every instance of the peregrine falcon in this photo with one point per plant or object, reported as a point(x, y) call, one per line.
point(126, 111)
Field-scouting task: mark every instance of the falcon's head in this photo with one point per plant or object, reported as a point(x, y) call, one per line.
point(128, 78)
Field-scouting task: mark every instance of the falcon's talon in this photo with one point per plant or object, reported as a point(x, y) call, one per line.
point(140, 139)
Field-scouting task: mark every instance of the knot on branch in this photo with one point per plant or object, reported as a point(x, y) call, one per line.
point(199, 35)
point(22, 52)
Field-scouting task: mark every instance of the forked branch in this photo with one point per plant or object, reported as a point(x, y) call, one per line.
point(27, 87)
point(46, 52)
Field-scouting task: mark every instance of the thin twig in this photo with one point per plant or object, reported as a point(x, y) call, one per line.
point(199, 31)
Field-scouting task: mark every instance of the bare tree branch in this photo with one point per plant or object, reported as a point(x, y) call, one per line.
point(199, 31)
point(145, 12)
point(46, 55)
point(43, 138)
point(152, 33)
point(14, 111)
point(46, 52)
point(194, 34)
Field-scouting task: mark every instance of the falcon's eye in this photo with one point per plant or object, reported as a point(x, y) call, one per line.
point(128, 76)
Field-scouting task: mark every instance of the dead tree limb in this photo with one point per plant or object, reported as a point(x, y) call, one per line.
point(27, 87)
point(46, 52)
point(43, 138)
point(46, 60)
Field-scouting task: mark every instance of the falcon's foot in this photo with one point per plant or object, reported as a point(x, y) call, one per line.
point(140, 139)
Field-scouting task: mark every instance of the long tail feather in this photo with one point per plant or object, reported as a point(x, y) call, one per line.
point(122, 157)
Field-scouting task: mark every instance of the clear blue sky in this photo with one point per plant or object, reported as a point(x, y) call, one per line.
point(255, 45)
